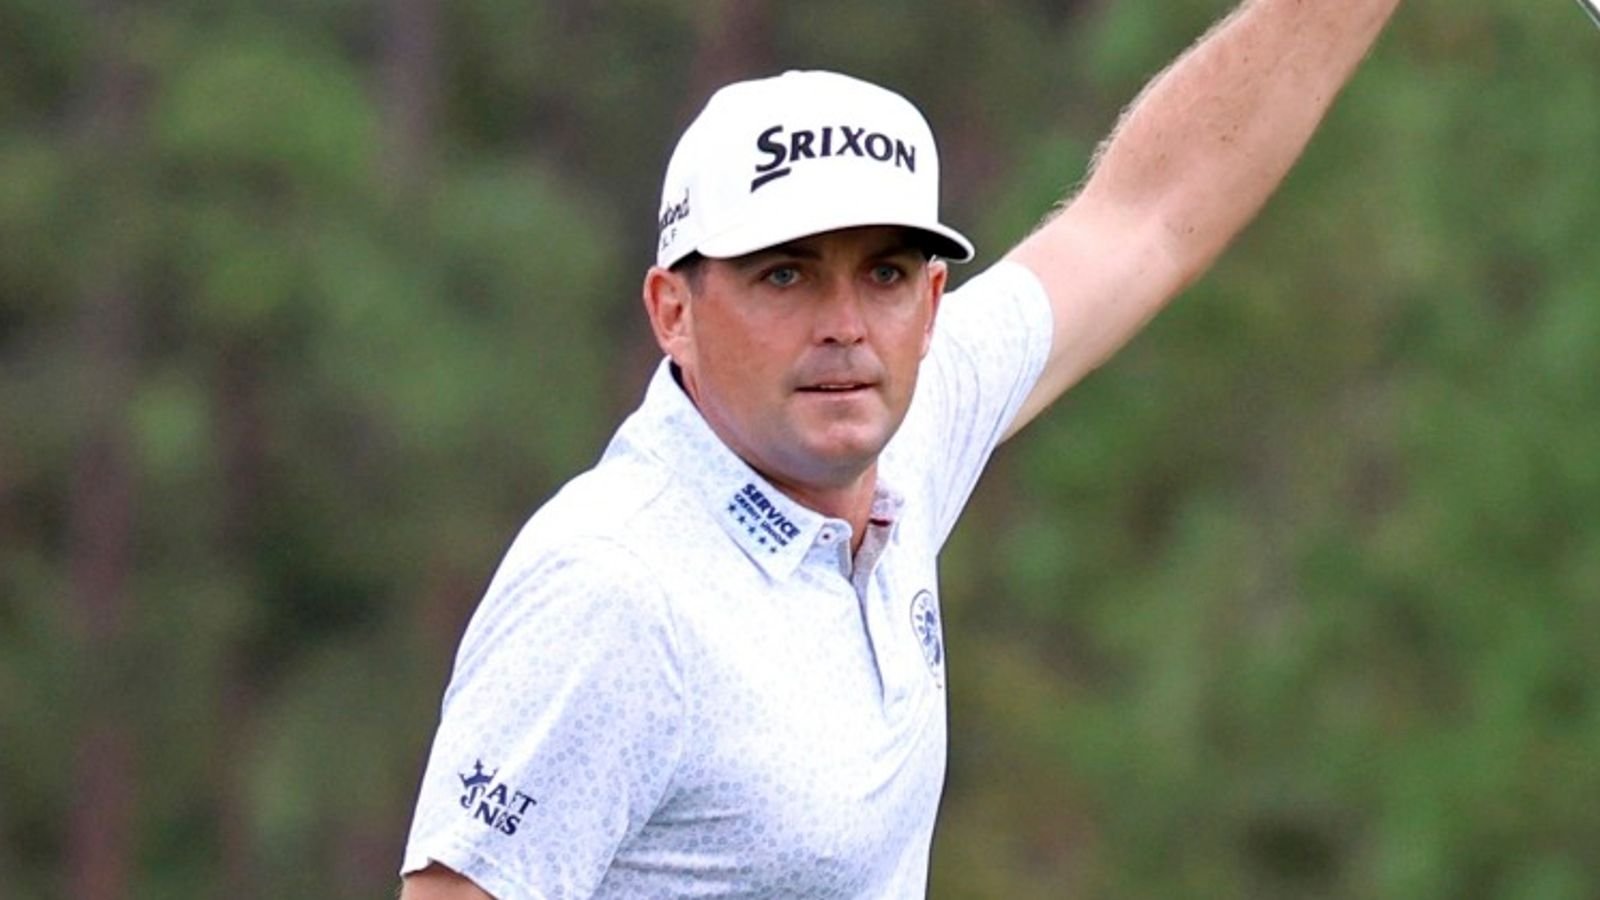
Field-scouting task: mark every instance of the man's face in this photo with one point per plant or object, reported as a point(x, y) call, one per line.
point(803, 357)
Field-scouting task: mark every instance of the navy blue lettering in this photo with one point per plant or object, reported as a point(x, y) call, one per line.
point(852, 139)
point(779, 153)
point(769, 518)
point(905, 155)
point(879, 148)
point(491, 802)
point(800, 145)
point(776, 150)
point(674, 213)
point(759, 180)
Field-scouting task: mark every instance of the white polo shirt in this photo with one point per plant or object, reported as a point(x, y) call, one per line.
point(679, 684)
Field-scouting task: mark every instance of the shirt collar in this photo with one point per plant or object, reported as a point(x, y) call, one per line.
point(773, 530)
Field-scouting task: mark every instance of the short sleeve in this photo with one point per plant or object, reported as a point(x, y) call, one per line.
point(560, 729)
point(991, 341)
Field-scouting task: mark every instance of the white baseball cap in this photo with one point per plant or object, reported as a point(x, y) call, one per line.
point(776, 159)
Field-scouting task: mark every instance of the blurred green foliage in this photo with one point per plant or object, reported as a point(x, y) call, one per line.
point(304, 306)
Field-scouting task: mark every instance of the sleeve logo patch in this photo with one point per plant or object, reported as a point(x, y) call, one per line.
point(493, 802)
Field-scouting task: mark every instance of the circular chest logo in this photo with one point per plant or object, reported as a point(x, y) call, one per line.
point(925, 625)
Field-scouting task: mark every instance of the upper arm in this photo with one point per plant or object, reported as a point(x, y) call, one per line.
point(1107, 269)
point(439, 883)
point(549, 751)
point(989, 348)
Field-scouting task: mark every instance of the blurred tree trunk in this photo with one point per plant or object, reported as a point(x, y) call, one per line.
point(240, 438)
point(410, 87)
point(101, 502)
point(733, 41)
point(980, 151)
point(8, 860)
point(8, 538)
point(560, 125)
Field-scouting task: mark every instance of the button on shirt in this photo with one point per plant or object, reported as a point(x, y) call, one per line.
point(681, 684)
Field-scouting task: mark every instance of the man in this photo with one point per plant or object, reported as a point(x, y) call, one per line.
point(713, 664)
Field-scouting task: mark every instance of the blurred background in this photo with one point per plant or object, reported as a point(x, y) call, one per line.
point(305, 305)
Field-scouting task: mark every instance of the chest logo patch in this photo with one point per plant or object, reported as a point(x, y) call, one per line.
point(762, 519)
point(925, 625)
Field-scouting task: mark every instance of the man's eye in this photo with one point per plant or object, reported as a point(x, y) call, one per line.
point(783, 276)
point(887, 274)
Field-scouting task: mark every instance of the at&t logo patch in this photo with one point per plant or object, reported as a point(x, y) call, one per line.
point(925, 625)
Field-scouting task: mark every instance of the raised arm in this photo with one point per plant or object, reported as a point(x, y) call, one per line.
point(1190, 163)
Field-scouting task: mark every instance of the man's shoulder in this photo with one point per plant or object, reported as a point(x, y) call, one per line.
point(626, 510)
point(602, 505)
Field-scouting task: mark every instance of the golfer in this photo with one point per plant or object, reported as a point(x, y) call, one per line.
point(713, 665)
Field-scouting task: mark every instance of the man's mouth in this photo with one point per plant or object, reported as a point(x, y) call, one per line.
point(840, 387)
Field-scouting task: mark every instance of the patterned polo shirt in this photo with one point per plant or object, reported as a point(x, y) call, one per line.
point(681, 684)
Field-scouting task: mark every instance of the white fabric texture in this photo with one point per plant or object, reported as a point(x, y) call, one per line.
point(679, 684)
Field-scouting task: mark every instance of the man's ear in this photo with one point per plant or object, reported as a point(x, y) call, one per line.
point(938, 275)
point(666, 301)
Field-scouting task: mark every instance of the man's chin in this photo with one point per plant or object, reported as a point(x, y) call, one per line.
point(846, 453)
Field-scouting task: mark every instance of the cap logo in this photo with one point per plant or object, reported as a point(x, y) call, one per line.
point(784, 150)
point(675, 212)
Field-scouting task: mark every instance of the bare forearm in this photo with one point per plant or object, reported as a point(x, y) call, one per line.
point(1213, 135)
point(1191, 162)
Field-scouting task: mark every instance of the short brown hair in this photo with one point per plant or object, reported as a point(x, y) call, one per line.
point(693, 270)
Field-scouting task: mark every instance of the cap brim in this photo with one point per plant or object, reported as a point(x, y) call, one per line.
point(937, 239)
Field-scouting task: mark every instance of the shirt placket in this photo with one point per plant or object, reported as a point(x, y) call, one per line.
point(885, 631)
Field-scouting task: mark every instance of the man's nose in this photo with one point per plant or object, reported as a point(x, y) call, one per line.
point(839, 317)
